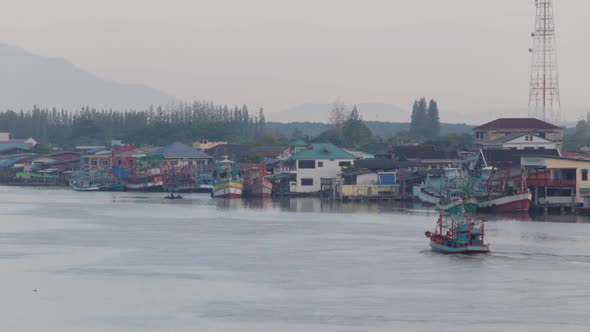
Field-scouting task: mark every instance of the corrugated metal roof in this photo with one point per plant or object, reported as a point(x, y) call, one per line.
point(10, 146)
point(182, 151)
point(322, 151)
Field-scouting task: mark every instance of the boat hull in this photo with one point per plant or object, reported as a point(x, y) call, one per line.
point(426, 197)
point(464, 205)
point(260, 189)
point(229, 189)
point(91, 188)
point(518, 202)
point(437, 247)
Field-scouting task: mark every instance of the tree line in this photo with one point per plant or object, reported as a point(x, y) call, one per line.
point(425, 120)
point(159, 126)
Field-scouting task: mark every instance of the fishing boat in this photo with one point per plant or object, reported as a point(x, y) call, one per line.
point(228, 188)
point(203, 179)
point(458, 235)
point(227, 184)
point(83, 180)
point(145, 181)
point(450, 193)
point(496, 190)
point(255, 182)
point(84, 186)
point(261, 188)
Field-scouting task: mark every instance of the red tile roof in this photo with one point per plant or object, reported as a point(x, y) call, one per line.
point(517, 123)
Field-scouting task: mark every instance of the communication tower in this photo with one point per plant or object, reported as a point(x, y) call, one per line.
point(544, 101)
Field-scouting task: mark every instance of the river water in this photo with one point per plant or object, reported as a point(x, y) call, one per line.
point(135, 262)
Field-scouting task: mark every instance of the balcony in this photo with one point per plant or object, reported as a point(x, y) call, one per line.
point(550, 183)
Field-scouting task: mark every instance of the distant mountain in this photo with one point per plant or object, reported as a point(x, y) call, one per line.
point(378, 128)
point(321, 113)
point(27, 79)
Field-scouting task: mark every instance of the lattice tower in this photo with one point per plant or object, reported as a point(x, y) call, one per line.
point(544, 100)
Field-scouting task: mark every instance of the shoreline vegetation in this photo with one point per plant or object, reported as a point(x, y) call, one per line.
point(188, 122)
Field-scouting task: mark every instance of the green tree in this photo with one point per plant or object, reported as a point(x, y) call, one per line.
point(355, 131)
point(573, 141)
point(41, 148)
point(419, 124)
point(432, 119)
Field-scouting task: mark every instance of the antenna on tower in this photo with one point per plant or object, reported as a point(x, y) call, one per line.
point(544, 101)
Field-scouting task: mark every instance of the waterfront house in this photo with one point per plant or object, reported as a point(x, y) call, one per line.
point(316, 162)
point(367, 184)
point(556, 181)
point(100, 160)
point(180, 155)
point(521, 133)
point(512, 158)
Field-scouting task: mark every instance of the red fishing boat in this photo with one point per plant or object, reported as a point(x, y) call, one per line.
point(255, 182)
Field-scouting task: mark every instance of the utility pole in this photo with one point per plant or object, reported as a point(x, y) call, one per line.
point(544, 100)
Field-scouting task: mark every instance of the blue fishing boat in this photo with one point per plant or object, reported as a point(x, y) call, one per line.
point(458, 235)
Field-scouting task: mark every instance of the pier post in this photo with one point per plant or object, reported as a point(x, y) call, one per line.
point(573, 200)
point(546, 201)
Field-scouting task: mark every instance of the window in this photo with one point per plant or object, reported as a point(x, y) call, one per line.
point(94, 163)
point(584, 175)
point(105, 163)
point(306, 164)
point(542, 135)
point(344, 164)
point(529, 148)
point(528, 138)
point(307, 182)
point(478, 135)
point(320, 164)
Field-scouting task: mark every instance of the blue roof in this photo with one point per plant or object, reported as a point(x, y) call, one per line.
point(322, 151)
point(181, 151)
point(9, 161)
point(10, 146)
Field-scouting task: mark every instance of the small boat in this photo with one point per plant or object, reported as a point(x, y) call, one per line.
point(171, 196)
point(82, 187)
point(459, 235)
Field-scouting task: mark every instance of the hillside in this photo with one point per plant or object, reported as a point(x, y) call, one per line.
point(28, 79)
point(383, 129)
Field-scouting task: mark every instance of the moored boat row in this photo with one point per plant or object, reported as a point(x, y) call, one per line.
point(493, 190)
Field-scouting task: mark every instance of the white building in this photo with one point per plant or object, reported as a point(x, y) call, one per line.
point(500, 128)
point(318, 161)
point(520, 141)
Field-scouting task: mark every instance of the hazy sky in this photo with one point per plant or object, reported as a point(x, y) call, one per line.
point(471, 55)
